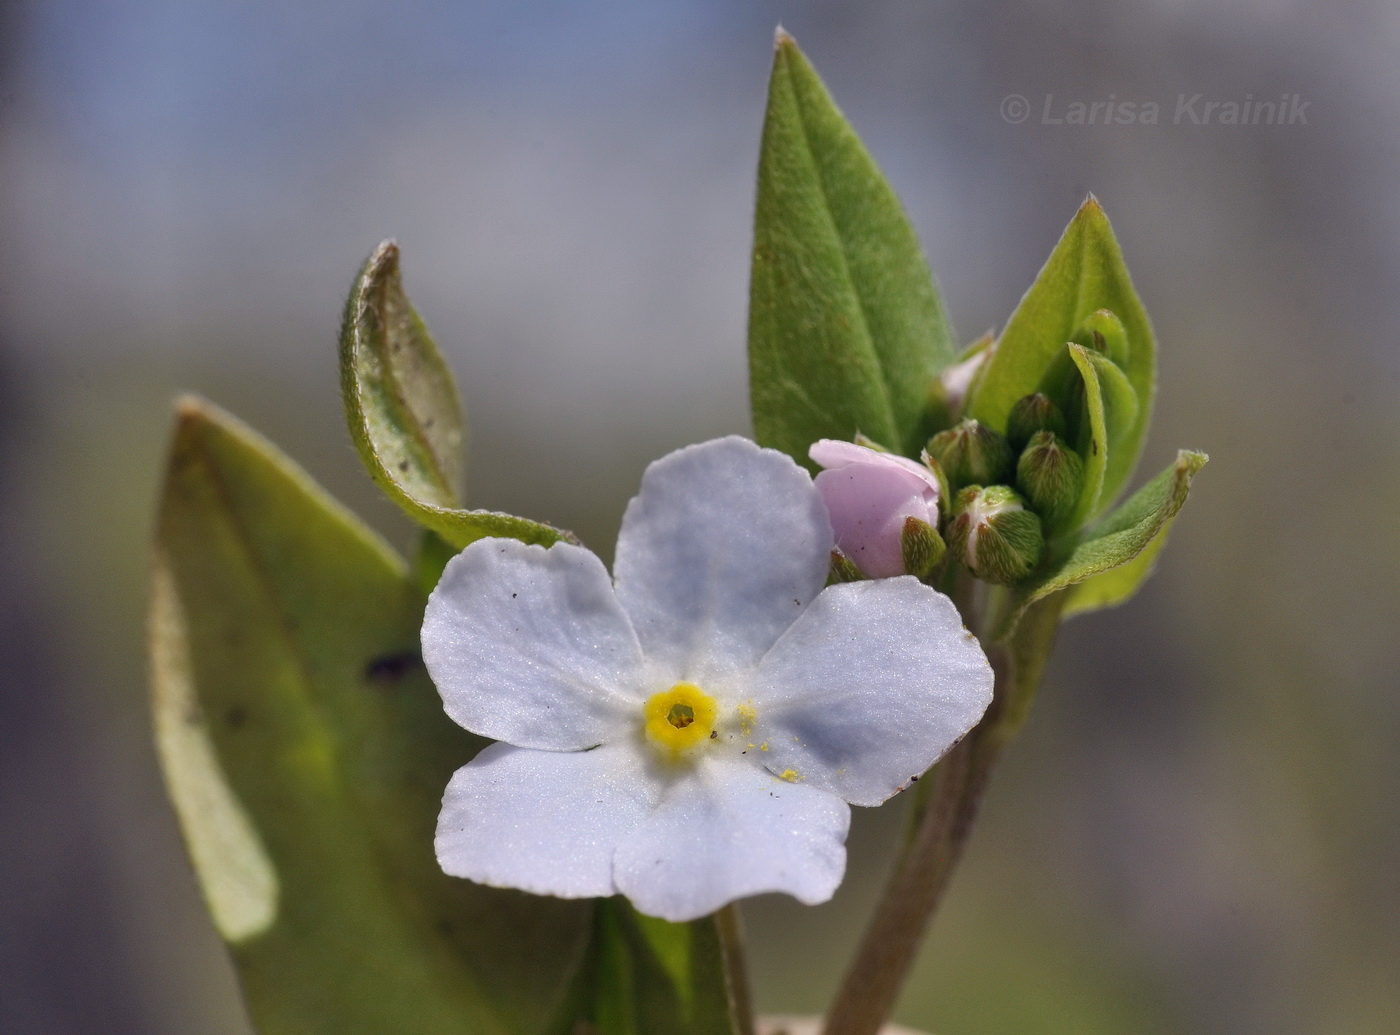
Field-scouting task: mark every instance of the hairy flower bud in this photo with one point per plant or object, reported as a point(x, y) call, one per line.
point(970, 453)
point(1032, 413)
point(994, 535)
point(1051, 475)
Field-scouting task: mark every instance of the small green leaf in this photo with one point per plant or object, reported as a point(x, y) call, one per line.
point(658, 978)
point(404, 413)
point(1116, 541)
point(406, 416)
point(306, 753)
point(1116, 585)
point(846, 330)
point(1112, 408)
point(1084, 273)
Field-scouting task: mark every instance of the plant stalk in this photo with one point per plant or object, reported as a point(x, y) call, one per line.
point(871, 987)
point(736, 969)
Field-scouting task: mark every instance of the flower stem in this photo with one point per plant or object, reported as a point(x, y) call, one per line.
point(871, 986)
point(736, 970)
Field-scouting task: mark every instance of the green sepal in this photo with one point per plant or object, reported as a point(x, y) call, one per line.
point(1136, 527)
point(306, 751)
point(1111, 408)
point(1084, 274)
point(404, 413)
point(922, 547)
point(842, 569)
point(846, 330)
point(653, 977)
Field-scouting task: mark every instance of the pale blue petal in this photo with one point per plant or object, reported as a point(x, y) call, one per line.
point(869, 688)
point(725, 545)
point(531, 646)
point(730, 830)
point(547, 822)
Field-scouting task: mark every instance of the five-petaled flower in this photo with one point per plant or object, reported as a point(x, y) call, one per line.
point(690, 731)
point(869, 495)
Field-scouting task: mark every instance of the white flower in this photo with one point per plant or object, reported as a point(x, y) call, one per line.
point(689, 732)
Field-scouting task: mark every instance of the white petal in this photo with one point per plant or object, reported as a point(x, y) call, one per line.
point(722, 549)
point(728, 831)
point(548, 822)
point(530, 646)
point(869, 688)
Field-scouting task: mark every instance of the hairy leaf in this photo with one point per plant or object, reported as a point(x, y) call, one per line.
point(846, 330)
point(404, 413)
point(1117, 540)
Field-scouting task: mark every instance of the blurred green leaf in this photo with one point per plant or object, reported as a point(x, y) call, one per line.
point(846, 330)
point(428, 563)
point(404, 413)
point(659, 978)
point(1114, 542)
point(306, 753)
point(1084, 273)
point(1111, 406)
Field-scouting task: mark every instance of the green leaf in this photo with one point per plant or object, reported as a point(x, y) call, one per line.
point(404, 413)
point(306, 753)
point(1112, 408)
point(659, 978)
point(1084, 273)
point(1139, 525)
point(1116, 585)
point(846, 330)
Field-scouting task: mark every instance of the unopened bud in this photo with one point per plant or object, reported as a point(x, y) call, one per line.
point(1051, 475)
point(923, 547)
point(971, 453)
point(1033, 413)
point(994, 535)
point(1103, 332)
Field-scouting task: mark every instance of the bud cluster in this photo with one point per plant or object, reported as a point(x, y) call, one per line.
point(982, 498)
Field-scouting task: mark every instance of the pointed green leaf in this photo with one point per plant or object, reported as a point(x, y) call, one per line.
point(846, 330)
point(1111, 406)
point(404, 413)
point(306, 753)
point(406, 416)
point(659, 978)
point(1084, 273)
point(1115, 541)
point(1116, 585)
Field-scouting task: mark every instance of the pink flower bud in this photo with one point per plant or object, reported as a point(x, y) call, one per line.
point(868, 495)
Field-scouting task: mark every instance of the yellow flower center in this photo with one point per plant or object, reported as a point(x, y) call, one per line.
point(680, 718)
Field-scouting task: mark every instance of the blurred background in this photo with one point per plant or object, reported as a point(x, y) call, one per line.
point(1200, 829)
